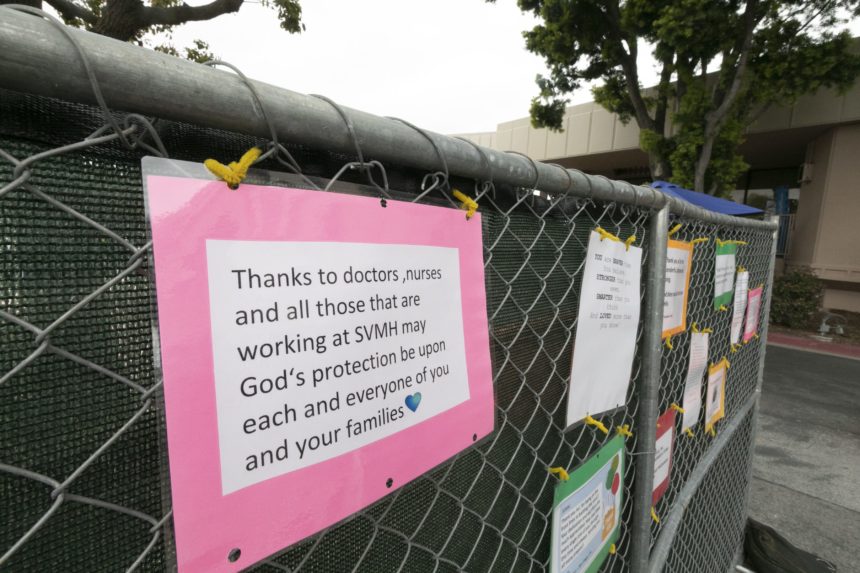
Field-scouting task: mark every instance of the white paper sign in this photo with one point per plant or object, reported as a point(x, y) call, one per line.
point(740, 305)
point(724, 274)
point(679, 258)
point(310, 376)
point(606, 328)
point(695, 375)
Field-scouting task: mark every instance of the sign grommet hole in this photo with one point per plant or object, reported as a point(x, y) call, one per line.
point(474, 437)
point(389, 482)
point(234, 555)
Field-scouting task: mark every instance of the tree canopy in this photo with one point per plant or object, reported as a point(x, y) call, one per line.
point(720, 64)
point(150, 22)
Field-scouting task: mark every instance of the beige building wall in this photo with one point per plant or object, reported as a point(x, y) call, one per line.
point(827, 227)
point(589, 129)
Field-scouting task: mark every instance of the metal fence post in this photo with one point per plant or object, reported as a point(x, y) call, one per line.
point(640, 527)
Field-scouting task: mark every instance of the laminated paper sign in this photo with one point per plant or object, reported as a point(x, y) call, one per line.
point(695, 375)
point(715, 405)
point(679, 259)
point(740, 305)
point(606, 328)
point(753, 308)
point(663, 454)
point(318, 350)
point(724, 273)
point(586, 513)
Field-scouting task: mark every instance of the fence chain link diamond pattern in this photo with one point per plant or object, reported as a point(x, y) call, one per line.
point(83, 470)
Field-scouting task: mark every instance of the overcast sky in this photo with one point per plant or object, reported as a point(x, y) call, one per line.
point(451, 66)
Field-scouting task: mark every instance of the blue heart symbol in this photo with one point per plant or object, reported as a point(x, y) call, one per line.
point(413, 401)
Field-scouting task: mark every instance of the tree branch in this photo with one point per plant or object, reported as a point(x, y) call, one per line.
point(628, 65)
point(157, 15)
point(69, 10)
point(663, 94)
point(716, 117)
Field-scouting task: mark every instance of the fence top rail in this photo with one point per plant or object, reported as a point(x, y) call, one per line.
point(37, 58)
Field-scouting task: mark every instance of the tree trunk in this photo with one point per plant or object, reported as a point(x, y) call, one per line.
point(31, 3)
point(659, 166)
point(703, 161)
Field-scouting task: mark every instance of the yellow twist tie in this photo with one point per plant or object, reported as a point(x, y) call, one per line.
point(624, 431)
point(604, 234)
point(560, 472)
point(677, 408)
point(466, 202)
point(669, 342)
point(697, 330)
point(700, 240)
point(723, 308)
point(596, 423)
point(735, 348)
point(756, 336)
point(235, 172)
point(689, 432)
point(728, 364)
point(654, 516)
point(713, 432)
point(630, 240)
point(730, 242)
point(612, 549)
point(741, 269)
point(674, 229)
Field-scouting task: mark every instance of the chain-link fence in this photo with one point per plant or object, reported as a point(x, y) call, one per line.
point(83, 469)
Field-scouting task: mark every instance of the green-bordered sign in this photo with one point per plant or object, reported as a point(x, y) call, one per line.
point(586, 513)
point(724, 273)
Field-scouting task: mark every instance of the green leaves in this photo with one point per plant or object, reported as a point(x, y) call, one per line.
point(796, 299)
point(721, 61)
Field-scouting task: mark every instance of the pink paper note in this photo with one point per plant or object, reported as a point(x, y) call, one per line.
point(238, 278)
point(753, 308)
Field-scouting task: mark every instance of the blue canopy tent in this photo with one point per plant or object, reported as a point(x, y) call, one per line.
point(705, 201)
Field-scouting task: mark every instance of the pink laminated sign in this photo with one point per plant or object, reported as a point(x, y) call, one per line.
point(318, 351)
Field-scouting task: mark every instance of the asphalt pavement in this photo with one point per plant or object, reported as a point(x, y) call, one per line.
point(806, 472)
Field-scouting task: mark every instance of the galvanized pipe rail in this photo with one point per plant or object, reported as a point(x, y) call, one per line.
point(36, 58)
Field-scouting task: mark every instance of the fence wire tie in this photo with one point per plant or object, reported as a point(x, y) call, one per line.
point(700, 240)
point(677, 408)
point(559, 472)
point(654, 515)
point(689, 433)
point(612, 549)
point(668, 342)
point(466, 202)
point(674, 230)
point(589, 421)
point(234, 172)
point(723, 308)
